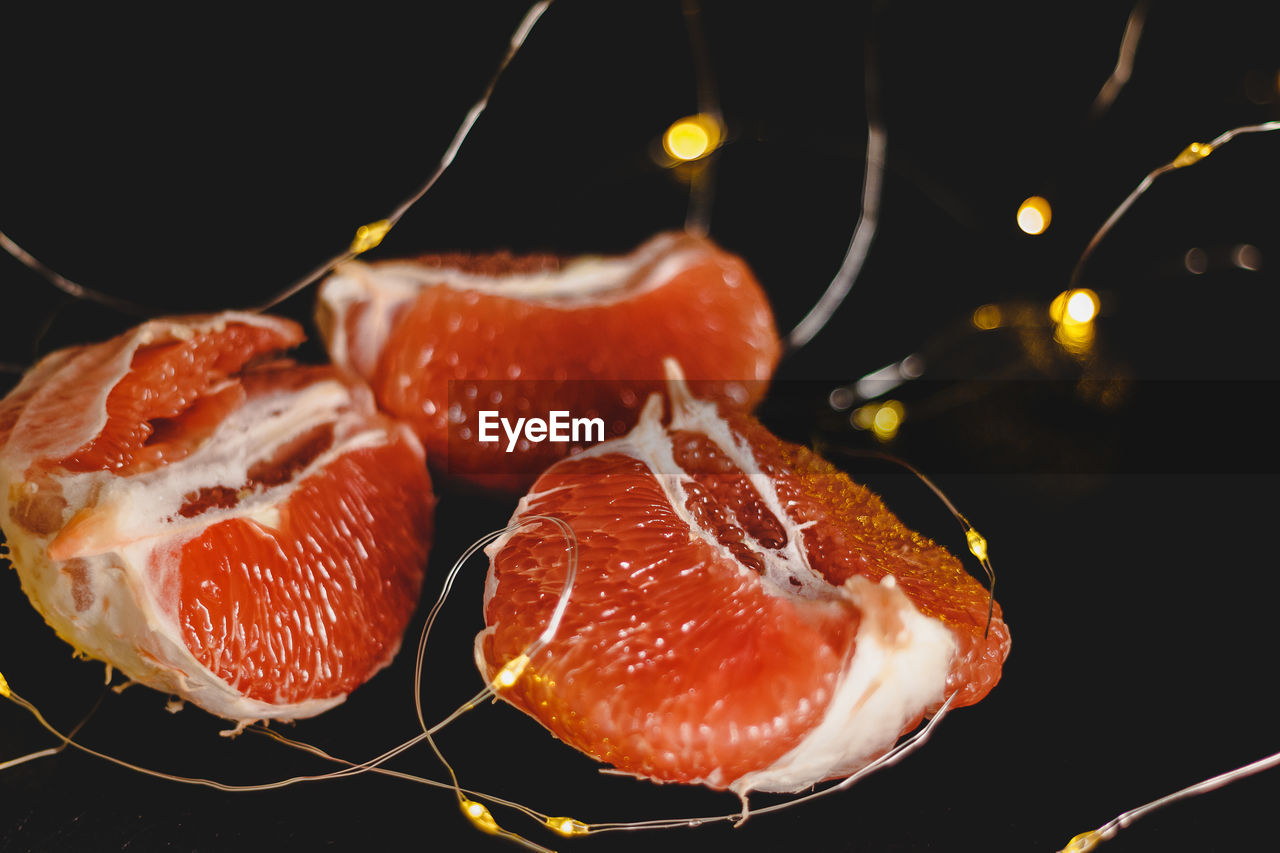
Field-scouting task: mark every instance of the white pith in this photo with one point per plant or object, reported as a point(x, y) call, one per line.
point(901, 659)
point(130, 531)
point(898, 670)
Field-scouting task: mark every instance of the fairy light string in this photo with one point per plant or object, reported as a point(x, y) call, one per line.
point(1071, 330)
point(66, 285)
point(1087, 841)
point(7, 693)
point(868, 218)
point(1064, 318)
point(1189, 156)
point(568, 826)
point(1124, 60)
point(476, 811)
point(976, 542)
point(476, 806)
point(507, 675)
point(367, 236)
point(709, 122)
point(370, 235)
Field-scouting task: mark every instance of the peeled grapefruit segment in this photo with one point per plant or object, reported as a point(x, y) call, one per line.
point(443, 337)
point(217, 523)
point(744, 615)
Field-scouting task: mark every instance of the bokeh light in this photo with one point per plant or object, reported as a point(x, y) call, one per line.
point(882, 418)
point(887, 420)
point(1073, 313)
point(1082, 306)
point(1075, 306)
point(1034, 215)
point(987, 317)
point(1196, 261)
point(1246, 257)
point(692, 137)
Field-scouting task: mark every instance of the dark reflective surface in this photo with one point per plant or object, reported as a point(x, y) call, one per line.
point(1126, 489)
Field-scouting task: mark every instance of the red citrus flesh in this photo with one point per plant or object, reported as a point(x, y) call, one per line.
point(167, 380)
point(238, 530)
point(443, 337)
point(711, 630)
point(317, 606)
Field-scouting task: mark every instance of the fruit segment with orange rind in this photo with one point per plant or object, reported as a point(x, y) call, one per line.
point(217, 523)
point(744, 616)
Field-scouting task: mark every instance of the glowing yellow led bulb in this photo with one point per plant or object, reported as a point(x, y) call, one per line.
point(1074, 307)
point(4, 687)
point(977, 543)
point(1083, 843)
point(1082, 306)
point(567, 826)
point(887, 420)
point(1193, 153)
point(479, 815)
point(368, 236)
point(692, 137)
point(1034, 215)
point(510, 673)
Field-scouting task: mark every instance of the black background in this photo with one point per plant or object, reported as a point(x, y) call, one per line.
point(203, 160)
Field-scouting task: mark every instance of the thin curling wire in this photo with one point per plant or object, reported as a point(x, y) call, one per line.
point(466, 803)
point(66, 285)
point(492, 799)
point(907, 745)
point(1145, 184)
point(1123, 70)
point(477, 109)
point(553, 623)
point(702, 187)
point(350, 768)
point(484, 819)
point(570, 577)
point(985, 561)
point(67, 740)
point(1090, 840)
point(435, 612)
point(900, 750)
point(868, 220)
point(79, 291)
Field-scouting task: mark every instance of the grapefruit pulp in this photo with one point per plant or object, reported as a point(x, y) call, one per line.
point(744, 615)
point(443, 337)
point(219, 524)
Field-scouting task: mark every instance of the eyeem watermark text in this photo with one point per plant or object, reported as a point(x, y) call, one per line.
point(558, 427)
